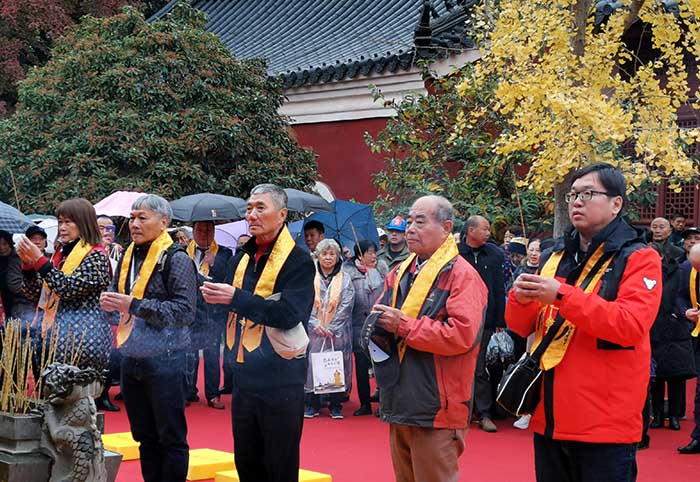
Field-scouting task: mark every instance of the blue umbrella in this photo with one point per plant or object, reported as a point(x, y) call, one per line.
point(350, 222)
point(12, 220)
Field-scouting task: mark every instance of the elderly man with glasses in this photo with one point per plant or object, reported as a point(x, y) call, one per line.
point(604, 284)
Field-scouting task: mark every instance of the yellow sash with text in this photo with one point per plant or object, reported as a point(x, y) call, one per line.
point(49, 297)
point(204, 266)
point(557, 348)
point(694, 297)
point(423, 283)
point(326, 313)
point(158, 246)
point(251, 333)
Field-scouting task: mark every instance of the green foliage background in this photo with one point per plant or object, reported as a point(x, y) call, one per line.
point(425, 156)
point(159, 107)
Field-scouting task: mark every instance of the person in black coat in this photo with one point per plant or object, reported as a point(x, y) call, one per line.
point(671, 349)
point(488, 260)
point(210, 320)
point(274, 288)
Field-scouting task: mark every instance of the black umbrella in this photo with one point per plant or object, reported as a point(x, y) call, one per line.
point(208, 207)
point(12, 220)
point(302, 202)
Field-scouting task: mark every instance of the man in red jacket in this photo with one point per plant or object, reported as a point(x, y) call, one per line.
point(434, 304)
point(603, 280)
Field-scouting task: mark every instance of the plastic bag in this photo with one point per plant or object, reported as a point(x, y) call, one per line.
point(500, 352)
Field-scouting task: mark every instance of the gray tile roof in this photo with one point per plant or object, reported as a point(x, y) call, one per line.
point(312, 41)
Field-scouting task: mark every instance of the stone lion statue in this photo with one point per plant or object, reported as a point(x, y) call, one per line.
point(70, 434)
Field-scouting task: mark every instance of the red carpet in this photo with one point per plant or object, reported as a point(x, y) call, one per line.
point(356, 448)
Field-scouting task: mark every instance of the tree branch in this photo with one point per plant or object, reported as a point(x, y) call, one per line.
point(633, 14)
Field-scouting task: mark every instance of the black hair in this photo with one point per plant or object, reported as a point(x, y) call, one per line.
point(677, 215)
point(313, 224)
point(362, 246)
point(515, 230)
point(648, 236)
point(7, 237)
point(610, 177)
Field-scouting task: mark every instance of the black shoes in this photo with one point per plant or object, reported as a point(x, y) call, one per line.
point(106, 405)
point(658, 421)
point(692, 448)
point(363, 410)
point(674, 423)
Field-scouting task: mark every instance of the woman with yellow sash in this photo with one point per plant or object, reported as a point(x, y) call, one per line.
point(67, 287)
point(330, 327)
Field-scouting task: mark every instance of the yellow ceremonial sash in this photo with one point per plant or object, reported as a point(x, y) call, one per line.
point(49, 298)
point(251, 333)
point(557, 348)
point(158, 246)
point(204, 267)
point(423, 283)
point(326, 313)
point(694, 297)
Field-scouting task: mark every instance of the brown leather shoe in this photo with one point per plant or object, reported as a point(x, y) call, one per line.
point(216, 403)
point(487, 425)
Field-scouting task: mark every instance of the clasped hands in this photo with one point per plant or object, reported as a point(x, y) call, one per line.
point(532, 287)
point(217, 293)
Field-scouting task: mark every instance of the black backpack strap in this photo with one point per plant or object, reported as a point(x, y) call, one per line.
point(559, 320)
point(165, 263)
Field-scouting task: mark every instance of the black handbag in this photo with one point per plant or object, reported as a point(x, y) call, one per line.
point(519, 389)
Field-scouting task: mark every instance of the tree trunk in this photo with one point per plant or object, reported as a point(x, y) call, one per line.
point(561, 208)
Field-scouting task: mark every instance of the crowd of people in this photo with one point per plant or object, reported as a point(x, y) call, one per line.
point(416, 311)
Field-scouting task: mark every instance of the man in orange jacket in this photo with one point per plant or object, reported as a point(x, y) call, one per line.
point(603, 280)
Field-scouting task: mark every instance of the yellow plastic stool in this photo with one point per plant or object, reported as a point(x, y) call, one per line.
point(205, 463)
point(122, 443)
point(304, 476)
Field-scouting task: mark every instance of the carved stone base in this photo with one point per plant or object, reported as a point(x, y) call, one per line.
point(25, 467)
point(19, 433)
point(112, 462)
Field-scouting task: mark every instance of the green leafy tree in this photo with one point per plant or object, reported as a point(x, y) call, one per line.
point(161, 107)
point(28, 29)
point(432, 150)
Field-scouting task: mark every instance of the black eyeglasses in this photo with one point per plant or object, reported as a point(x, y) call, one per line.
point(584, 196)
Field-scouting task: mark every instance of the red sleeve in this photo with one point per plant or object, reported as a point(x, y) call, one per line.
point(465, 311)
point(521, 318)
point(628, 318)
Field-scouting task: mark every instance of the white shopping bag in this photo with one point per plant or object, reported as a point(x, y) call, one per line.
point(327, 370)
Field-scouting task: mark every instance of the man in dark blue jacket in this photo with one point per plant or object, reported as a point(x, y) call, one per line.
point(211, 261)
point(487, 259)
point(272, 287)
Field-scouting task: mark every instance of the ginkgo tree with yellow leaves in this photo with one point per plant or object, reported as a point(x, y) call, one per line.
point(577, 88)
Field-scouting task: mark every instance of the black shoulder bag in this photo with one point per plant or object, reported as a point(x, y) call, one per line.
point(519, 389)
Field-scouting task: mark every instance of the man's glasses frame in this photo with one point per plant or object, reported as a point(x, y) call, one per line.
point(584, 196)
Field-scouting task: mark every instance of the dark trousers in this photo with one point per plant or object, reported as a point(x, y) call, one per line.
point(212, 371)
point(114, 368)
point(566, 461)
point(315, 401)
point(154, 396)
point(646, 416)
point(675, 396)
point(267, 433)
point(696, 431)
point(362, 365)
point(229, 360)
point(483, 383)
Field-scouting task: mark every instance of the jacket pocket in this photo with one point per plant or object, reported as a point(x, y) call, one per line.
point(608, 345)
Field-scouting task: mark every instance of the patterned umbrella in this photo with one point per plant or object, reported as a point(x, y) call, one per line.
point(12, 220)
